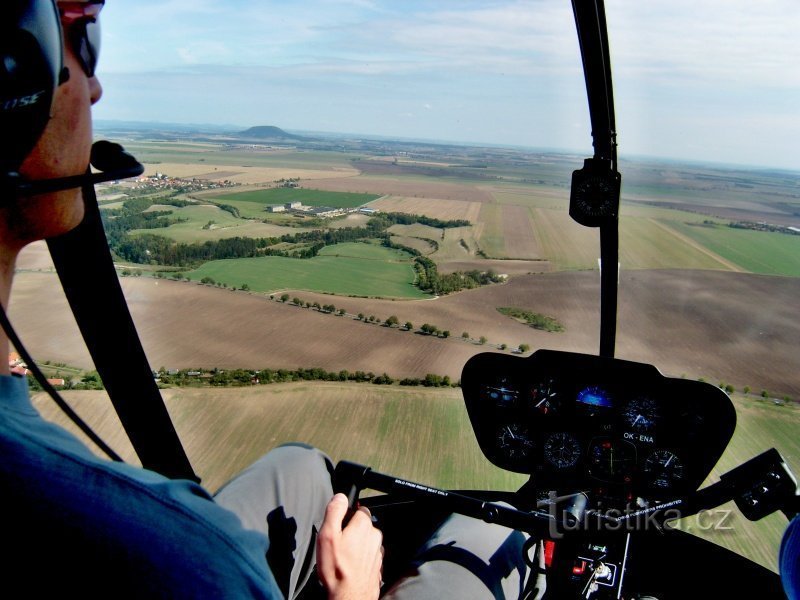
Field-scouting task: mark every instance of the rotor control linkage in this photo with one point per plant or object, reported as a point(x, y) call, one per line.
point(350, 478)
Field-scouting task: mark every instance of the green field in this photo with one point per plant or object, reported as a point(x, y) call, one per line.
point(205, 222)
point(354, 269)
point(421, 434)
point(306, 197)
point(651, 244)
point(762, 252)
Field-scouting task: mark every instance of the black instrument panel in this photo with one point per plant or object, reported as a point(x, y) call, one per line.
point(582, 422)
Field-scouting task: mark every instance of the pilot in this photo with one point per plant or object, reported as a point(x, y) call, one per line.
point(75, 522)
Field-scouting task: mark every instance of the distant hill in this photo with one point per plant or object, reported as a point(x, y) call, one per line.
point(268, 132)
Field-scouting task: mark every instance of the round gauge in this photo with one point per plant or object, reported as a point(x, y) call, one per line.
point(594, 196)
point(594, 400)
point(641, 413)
point(514, 441)
point(544, 397)
point(611, 460)
point(503, 393)
point(663, 469)
point(562, 450)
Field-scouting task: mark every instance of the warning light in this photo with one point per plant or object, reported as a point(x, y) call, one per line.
point(579, 568)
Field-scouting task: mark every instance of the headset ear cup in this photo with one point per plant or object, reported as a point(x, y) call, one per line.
point(31, 62)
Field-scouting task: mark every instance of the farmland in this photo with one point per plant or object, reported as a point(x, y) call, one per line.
point(698, 299)
point(347, 269)
point(307, 197)
point(225, 430)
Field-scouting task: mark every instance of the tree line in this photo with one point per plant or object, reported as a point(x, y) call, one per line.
point(154, 249)
point(244, 377)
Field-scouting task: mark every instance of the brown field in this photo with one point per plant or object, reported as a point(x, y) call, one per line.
point(402, 187)
point(243, 174)
point(534, 197)
point(351, 220)
point(438, 208)
point(733, 327)
point(519, 233)
point(424, 247)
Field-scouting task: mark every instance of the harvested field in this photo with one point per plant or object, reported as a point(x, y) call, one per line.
point(424, 247)
point(412, 188)
point(489, 231)
point(351, 220)
point(733, 327)
point(501, 267)
point(241, 174)
point(519, 233)
point(565, 243)
point(533, 197)
point(437, 208)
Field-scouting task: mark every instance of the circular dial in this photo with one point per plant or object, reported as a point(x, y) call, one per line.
point(503, 393)
point(514, 441)
point(611, 460)
point(641, 413)
point(594, 197)
point(544, 397)
point(562, 450)
point(594, 400)
point(663, 468)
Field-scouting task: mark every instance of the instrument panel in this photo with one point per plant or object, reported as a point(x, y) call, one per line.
point(582, 422)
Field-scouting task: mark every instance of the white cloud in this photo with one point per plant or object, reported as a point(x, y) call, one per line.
point(676, 63)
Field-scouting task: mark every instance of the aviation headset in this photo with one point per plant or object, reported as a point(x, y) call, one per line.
point(31, 69)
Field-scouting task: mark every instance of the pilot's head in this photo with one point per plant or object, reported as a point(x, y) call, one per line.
point(48, 55)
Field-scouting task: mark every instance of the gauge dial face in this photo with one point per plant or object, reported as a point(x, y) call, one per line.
point(562, 450)
point(663, 469)
point(503, 393)
point(514, 441)
point(641, 414)
point(611, 460)
point(544, 397)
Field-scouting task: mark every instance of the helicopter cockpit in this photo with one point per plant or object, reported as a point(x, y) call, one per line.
point(607, 457)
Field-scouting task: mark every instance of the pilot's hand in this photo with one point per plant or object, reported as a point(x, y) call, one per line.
point(349, 559)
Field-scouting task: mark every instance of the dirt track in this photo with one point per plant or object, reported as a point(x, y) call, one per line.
point(732, 327)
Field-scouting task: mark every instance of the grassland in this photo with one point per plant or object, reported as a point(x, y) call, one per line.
point(416, 433)
point(355, 269)
point(203, 222)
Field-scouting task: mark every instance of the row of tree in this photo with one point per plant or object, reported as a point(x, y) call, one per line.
point(243, 377)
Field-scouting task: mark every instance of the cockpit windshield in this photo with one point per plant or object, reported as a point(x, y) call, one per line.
point(343, 203)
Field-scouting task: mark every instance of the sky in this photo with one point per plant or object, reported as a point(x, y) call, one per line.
point(716, 81)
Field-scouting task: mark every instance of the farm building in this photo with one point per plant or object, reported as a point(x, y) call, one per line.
point(325, 211)
point(293, 205)
point(276, 209)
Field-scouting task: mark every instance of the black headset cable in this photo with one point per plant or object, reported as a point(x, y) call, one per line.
point(47, 387)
